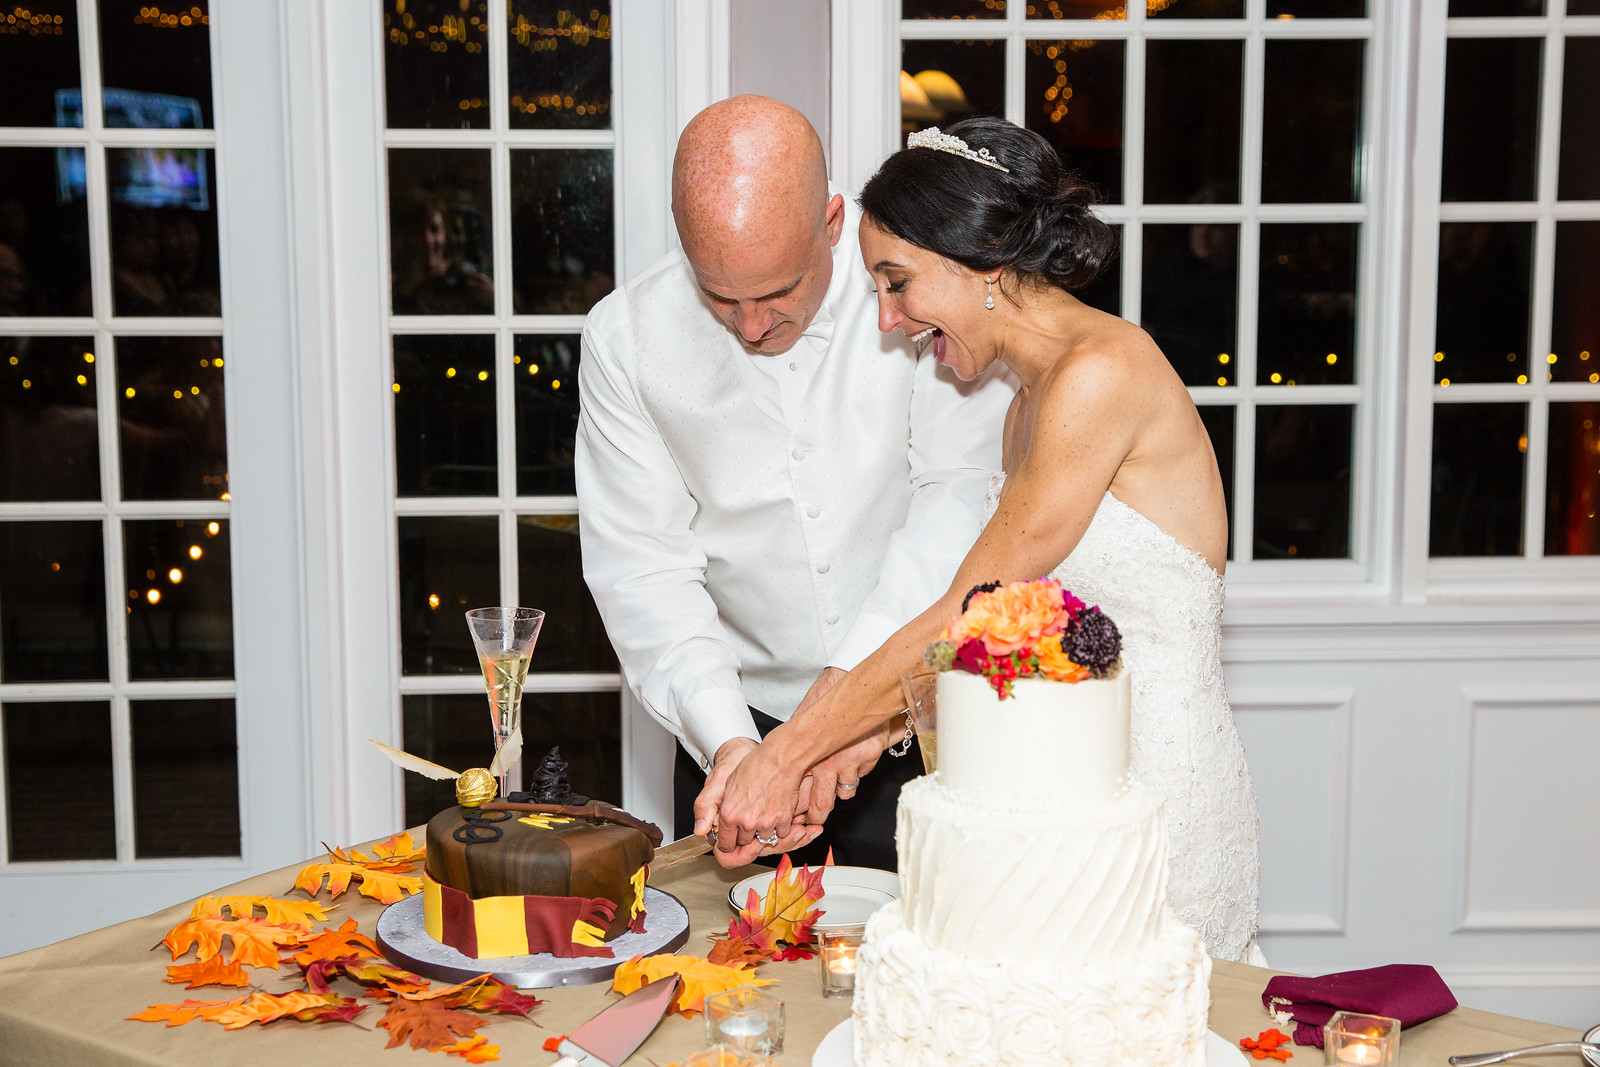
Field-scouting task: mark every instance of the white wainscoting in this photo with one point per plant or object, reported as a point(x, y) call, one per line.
point(1428, 795)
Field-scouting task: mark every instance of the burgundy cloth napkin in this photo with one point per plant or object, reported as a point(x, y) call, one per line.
point(1410, 992)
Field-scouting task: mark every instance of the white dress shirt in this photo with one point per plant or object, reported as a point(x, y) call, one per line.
point(747, 520)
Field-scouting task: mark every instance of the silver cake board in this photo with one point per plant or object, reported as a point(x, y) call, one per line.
point(407, 944)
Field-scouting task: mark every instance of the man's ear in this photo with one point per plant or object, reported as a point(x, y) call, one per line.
point(834, 219)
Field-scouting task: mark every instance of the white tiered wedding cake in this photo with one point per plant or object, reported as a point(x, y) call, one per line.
point(1032, 925)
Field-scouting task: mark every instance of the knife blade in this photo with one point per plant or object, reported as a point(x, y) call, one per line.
point(612, 1036)
point(685, 848)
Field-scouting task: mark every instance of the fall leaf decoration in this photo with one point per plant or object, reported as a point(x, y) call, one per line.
point(255, 943)
point(211, 971)
point(256, 1008)
point(334, 944)
point(474, 1050)
point(700, 977)
point(428, 1024)
point(785, 914)
point(1265, 1045)
point(301, 913)
point(368, 972)
point(178, 1014)
point(385, 879)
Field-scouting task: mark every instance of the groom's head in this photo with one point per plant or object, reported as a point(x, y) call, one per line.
point(750, 197)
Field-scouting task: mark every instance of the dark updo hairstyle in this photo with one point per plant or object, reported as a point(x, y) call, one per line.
point(1034, 219)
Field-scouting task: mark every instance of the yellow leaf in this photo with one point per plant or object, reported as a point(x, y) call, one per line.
point(383, 886)
point(700, 978)
point(301, 913)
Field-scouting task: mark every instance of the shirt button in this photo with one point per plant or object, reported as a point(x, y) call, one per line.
point(822, 568)
point(833, 620)
point(794, 366)
point(798, 453)
point(813, 511)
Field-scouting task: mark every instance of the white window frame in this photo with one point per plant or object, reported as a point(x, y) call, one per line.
point(269, 682)
point(1531, 574)
point(359, 609)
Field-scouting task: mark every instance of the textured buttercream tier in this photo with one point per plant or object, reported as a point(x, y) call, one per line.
point(920, 1005)
point(1031, 885)
point(1048, 743)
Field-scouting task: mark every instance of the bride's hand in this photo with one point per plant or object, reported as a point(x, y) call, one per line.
point(837, 776)
point(759, 801)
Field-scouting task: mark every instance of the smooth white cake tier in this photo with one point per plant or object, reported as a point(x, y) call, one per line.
point(1053, 743)
point(920, 1005)
point(1031, 885)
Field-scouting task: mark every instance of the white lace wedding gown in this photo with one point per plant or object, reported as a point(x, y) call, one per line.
point(1167, 602)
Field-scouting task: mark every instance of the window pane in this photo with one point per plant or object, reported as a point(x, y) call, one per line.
point(441, 232)
point(1195, 9)
point(547, 413)
point(49, 444)
point(563, 257)
point(1191, 148)
point(1493, 8)
point(180, 598)
point(444, 415)
point(1302, 500)
point(39, 53)
point(185, 778)
point(1191, 298)
point(448, 565)
point(1105, 292)
point(1575, 319)
point(1583, 7)
point(956, 9)
point(1481, 325)
point(1311, 135)
point(52, 602)
point(558, 64)
point(1491, 118)
point(1219, 420)
point(1317, 9)
point(1074, 98)
point(550, 576)
point(48, 746)
point(1479, 453)
point(171, 425)
point(156, 65)
point(1580, 119)
point(454, 731)
point(164, 232)
point(1572, 481)
point(1308, 304)
point(44, 232)
point(1076, 9)
point(942, 82)
point(436, 64)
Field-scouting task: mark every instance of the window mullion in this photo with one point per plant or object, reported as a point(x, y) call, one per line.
point(1132, 251)
point(122, 776)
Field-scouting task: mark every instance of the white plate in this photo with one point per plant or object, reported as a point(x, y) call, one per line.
point(849, 894)
point(838, 1049)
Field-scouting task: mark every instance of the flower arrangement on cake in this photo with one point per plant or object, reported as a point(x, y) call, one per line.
point(1032, 629)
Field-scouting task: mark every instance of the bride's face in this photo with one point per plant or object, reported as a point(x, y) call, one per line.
point(932, 300)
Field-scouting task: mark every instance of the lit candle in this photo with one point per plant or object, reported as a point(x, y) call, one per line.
point(842, 960)
point(740, 1029)
point(1361, 1055)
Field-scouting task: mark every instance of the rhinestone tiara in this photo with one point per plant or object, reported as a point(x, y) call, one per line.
point(943, 142)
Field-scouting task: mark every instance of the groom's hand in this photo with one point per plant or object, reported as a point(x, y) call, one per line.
point(726, 759)
point(837, 776)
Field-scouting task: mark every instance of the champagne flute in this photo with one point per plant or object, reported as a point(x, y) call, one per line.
point(919, 687)
point(504, 638)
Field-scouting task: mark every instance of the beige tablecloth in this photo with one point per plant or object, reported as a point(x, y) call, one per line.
point(66, 1004)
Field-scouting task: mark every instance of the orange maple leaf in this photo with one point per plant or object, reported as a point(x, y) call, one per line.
point(209, 972)
point(301, 913)
point(254, 942)
point(784, 914)
point(307, 1007)
point(483, 993)
point(385, 884)
point(188, 1011)
point(334, 944)
point(474, 1050)
point(700, 977)
point(399, 849)
point(427, 1024)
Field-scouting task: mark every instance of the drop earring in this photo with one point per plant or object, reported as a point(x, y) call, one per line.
point(989, 300)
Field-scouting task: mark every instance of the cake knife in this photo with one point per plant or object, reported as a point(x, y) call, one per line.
point(685, 848)
point(612, 1036)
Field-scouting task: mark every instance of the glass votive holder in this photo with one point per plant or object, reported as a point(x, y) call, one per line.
point(723, 1056)
point(746, 1019)
point(838, 955)
point(1351, 1039)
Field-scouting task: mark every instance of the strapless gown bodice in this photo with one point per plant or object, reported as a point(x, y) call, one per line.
point(1167, 602)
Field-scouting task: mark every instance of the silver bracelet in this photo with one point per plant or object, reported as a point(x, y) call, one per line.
point(904, 745)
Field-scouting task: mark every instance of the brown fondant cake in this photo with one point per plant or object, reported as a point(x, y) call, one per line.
point(510, 879)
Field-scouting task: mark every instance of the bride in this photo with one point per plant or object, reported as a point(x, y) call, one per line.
point(976, 239)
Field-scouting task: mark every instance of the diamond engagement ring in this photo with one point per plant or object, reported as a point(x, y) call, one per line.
point(766, 841)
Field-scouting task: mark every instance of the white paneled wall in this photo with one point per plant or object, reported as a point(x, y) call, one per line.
point(1428, 794)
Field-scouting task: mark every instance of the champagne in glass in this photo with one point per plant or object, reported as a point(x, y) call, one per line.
point(504, 638)
point(919, 687)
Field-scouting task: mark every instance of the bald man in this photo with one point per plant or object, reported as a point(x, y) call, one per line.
point(767, 486)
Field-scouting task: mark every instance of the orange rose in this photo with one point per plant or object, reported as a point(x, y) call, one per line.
point(1024, 612)
point(1055, 664)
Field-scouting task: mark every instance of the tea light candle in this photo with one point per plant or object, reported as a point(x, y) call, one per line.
point(838, 958)
point(1354, 1040)
point(745, 1018)
point(1362, 1055)
point(742, 1027)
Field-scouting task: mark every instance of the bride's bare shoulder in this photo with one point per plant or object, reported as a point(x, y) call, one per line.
point(1111, 357)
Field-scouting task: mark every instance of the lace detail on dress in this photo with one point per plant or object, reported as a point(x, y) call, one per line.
point(1167, 601)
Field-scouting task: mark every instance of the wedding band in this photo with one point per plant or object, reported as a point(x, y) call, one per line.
point(851, 788)
point(767, 842)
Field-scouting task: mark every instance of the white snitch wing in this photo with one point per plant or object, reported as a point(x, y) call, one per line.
point(406, 761)
point(510, 752)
